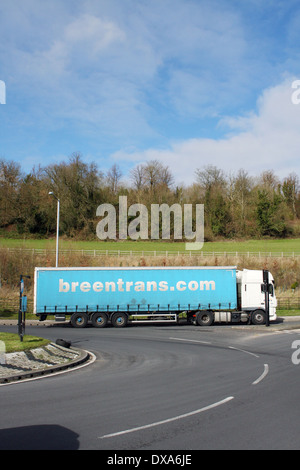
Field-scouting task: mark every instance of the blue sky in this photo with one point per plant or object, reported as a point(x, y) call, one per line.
point(188, 82)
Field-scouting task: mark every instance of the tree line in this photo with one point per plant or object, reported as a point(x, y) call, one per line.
point(235, 205)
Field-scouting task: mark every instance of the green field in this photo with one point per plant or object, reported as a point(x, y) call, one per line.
point(270, 245)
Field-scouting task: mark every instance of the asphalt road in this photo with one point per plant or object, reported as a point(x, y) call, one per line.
point(161, 387)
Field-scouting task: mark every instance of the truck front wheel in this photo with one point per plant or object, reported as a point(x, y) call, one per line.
point(79, 320)
point(258, 317)
point(205, 318)
point(119, 320)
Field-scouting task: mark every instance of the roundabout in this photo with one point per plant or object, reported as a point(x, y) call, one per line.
point(166, 387)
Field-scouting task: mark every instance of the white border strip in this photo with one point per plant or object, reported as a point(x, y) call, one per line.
point(176, 418)
point(243, 350)
point(263, 375)
point(189, 340)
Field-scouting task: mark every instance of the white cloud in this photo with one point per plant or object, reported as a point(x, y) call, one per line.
point(101, 75)
point(266, 139)
point(172, 51)
point(98, 33)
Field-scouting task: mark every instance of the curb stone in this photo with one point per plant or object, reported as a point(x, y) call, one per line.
point(42, 361)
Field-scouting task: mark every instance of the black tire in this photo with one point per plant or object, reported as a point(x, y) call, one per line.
point(258, 317)
point(79, 320)
point(99, 319)
point(119, 320)
point(63, 342)
point(205, 318)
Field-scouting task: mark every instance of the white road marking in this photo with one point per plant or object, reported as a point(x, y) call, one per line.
point(243, 350)
point(263, 375)
point(288, 332)
point(176, 418)
point(190, 340)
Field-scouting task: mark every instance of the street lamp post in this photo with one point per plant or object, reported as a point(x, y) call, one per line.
point(57, 226)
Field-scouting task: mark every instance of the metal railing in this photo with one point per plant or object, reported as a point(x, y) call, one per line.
point(289, 303)
point(12, 306)
point(165, 253)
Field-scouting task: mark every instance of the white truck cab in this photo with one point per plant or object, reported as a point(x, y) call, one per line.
point(251, 295)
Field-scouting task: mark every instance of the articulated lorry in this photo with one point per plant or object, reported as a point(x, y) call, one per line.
point(118, 296)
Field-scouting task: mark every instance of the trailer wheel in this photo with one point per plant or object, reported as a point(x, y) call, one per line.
point(99, 319)
point(258, 317)
point(119, 320)
point(79, 320)
point(204, 318)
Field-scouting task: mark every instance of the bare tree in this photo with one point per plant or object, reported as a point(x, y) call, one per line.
point(137, 177)
point(151, 175)
point(210, 176)
point(269, 180)
point(241, 186)
point(113, 178)
point(10, 180)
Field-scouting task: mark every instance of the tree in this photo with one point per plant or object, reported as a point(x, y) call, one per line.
point(217, 212)
point(35, 216)
point(212, 182)
point(290, 190)
point(10, 180)
point(137, 177)
point(210, 176)
point(113, 178)
point(270, 219)
point(240, 198)
point(151, 176)
point(269, 180)
point(78, 185)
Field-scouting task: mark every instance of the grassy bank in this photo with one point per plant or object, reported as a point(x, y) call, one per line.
point(286, 270)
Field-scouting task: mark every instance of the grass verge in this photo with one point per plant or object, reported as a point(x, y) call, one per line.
point(288, 313)
point(242, 246)
point(13, 344)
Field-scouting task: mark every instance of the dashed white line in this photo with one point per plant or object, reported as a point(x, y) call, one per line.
point(263, 375)
point(243, 350)
point(190, 340)
point(176, 418)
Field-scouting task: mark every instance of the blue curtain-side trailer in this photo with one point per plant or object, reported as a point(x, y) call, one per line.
point(118, 296)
